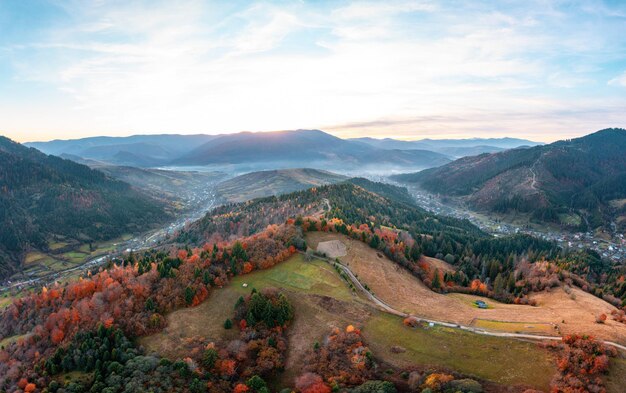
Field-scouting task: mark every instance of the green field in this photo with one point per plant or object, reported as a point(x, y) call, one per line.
point(322, 300)
point(75, 257)
point(38, 263)
point(570, 219)
point(315, 277)
point(57, 245)
point(516, 327)
point(5, 300)
point(500, 360)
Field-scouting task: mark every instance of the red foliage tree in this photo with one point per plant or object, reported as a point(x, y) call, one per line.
point(311, 383)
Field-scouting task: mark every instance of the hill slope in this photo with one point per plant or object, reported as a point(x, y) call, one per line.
point(45, 196)
point(265, 183)
point(186, 187)
point(579, 176)
point(302, 148)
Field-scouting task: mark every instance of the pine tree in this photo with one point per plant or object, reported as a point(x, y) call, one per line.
point(436, 284)
point(228, 324)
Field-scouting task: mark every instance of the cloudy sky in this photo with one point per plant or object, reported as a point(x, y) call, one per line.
point(536, 69)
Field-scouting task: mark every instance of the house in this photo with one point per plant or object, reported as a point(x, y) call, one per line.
point(480, 304)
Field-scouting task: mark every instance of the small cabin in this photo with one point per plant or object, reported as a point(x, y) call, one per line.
point(480, 304)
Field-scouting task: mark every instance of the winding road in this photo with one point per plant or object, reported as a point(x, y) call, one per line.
point(390, 310)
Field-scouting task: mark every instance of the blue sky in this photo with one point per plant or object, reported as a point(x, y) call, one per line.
point(542, 70)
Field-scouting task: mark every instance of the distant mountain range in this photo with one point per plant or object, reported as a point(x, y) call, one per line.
point(578, 183)
point(311, 148)
point(267, 150)
point(270, 150)
point(136, 150)
point(275, 182)
point(46, 199)
point(451, 147)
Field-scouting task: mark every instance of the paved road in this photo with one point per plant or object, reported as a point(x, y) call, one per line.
point(387, 308)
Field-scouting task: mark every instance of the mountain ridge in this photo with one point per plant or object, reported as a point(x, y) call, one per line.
point(274, 182)
point(45, 197)
point(573, 176)
point(245, 147)
point(452, 147)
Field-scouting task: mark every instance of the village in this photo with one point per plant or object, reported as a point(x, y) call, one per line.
point(611, 245)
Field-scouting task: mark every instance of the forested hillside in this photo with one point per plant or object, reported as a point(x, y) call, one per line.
point(384, 217)
point(44, 197)
point(571, 182)
point(87, 326)
point(280, 181)
point(393, 224)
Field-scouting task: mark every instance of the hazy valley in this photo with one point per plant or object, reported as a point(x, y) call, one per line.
point(401, 196)
point(404, 268)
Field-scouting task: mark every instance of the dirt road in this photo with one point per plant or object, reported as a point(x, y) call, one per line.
point(388, 309)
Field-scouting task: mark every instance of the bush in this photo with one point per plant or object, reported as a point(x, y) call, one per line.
point(209, 358)
point(466, 386)
point(228, 324)
point(375, 387)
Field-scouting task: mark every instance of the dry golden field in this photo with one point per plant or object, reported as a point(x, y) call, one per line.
point(400, 289)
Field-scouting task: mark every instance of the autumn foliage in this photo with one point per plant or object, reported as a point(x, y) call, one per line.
point(344, 360)
point(581, 361)
point(133, 294)
point(311, 383)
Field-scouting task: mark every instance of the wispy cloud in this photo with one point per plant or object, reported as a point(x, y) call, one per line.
point(405, 68)
point(619, 80)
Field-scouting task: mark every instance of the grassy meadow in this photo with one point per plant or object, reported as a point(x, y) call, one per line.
point(322, 300)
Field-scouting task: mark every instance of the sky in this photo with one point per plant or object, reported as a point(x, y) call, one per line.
point(537, 69)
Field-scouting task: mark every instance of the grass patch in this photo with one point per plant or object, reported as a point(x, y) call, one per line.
point(34, 256)
point(293, 275)
point(75, 256)
point(5, 300)
point(570, 219)
point(616, 380)
point(57, 245)
point(470, 300)
point(315, 277)
point(75, 376)
point(322, 300)
point(500, 360)
point(10, 340)
point(515, 327)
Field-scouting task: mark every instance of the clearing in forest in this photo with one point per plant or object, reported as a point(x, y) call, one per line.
point(332, 249)
point(402, 290)
point(322, 300)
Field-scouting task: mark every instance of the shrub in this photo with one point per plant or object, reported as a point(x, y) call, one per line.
point(466, 385)
point(375, 387)
point(228, 324)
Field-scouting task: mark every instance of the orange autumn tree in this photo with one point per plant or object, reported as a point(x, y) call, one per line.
point(241, 388)
point(311, 383)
